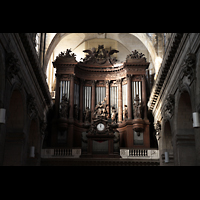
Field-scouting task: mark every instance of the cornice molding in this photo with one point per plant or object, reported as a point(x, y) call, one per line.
point(33, 58)
point(164, 69)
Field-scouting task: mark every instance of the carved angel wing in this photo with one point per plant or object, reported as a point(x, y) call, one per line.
point(113, 51)
point(88, 51)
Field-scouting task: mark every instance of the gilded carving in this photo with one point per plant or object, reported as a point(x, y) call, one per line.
point(100, 56)
point(135, 56)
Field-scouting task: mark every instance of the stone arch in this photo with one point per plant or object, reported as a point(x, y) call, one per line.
point(184, 112)
point(14, 141)
point(167, 137)
point(167, 143)
point(184, 133)
point(16, 111)
point(141, 36)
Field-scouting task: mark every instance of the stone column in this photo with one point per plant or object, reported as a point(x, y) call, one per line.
point(119, 83)
point(129, 85)
point(71, 97)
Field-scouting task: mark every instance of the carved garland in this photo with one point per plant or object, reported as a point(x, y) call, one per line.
point(31, 106)
point(12, 65)
point(169, 107)
point(189, 66)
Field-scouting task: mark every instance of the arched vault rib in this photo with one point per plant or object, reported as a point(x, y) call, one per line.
point(141, 36)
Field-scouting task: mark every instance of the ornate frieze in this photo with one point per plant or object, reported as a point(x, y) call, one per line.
point(166, 64)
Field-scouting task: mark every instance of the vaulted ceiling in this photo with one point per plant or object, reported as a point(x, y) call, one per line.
point(57, 42)
point(150, 44)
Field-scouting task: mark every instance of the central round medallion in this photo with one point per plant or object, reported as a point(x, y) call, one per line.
point(100, 127)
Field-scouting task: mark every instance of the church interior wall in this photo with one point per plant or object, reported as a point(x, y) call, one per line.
point(23, 101)
point(22, 96)
point(183, 89)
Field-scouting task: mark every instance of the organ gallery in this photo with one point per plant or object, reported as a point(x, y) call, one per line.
point(100, 105)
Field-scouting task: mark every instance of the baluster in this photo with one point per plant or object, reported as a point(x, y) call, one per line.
point(142, 153)
point(132, 152)
point(70, 152)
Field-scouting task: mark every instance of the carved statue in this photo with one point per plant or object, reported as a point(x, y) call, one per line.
point(114, 115)
point(75, 111)
point(116, 141)
point(101, 109)
point(136, 55)
point(66, 53)
point(64, 110)
point(87, 114)
point(137, 108)
point(125, 112)
point(101, 56)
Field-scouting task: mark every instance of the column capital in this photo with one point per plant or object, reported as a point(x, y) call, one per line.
point(119, 81)
point(71, 76)
point(107, 82)
point(94, 82)
point(129, 76)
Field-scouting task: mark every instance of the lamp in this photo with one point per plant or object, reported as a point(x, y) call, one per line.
point(2, 115)
point(196, 123)
point(32, 152)
point(166, 157)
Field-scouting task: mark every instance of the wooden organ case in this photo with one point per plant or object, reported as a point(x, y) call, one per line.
point(100, 106)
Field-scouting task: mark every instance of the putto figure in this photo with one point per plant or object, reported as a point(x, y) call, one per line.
point(64, 110)
point(137, 107)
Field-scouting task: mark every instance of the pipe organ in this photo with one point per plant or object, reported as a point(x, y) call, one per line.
point(82, 86)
